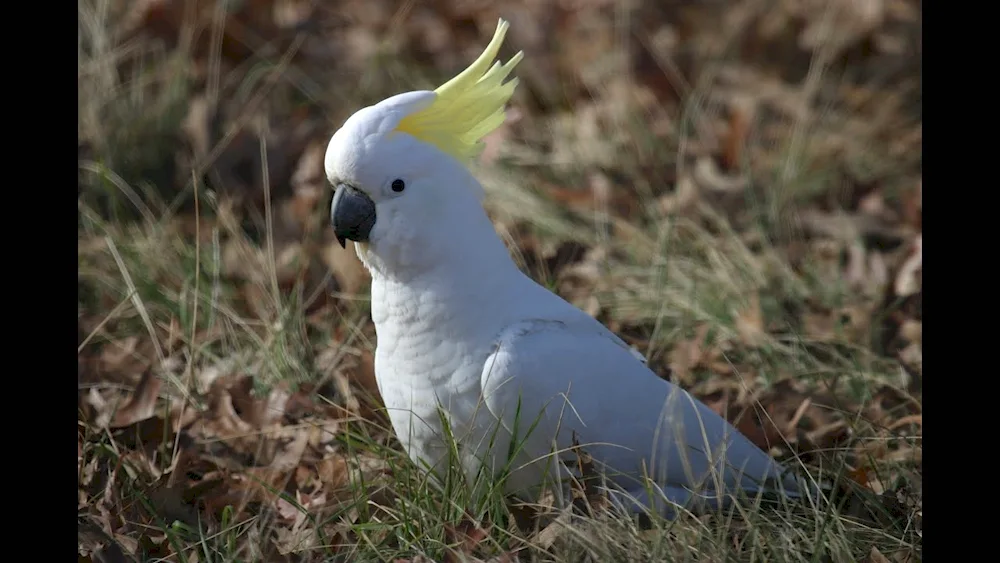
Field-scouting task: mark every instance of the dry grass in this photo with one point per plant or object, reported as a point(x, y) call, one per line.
point(732, 189)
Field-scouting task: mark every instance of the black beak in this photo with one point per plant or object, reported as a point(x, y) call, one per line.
point(352, 214)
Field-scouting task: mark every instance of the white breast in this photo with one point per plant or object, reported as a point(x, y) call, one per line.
point(419, 369)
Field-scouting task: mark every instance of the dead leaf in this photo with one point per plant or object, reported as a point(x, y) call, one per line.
point(875, 556)
point(588, 496)
point(300, 537)
point(333, 472)
point(742, 111)
point(683, 198)
point(305, 502)
point(839, 24)
point(707, 175)
point(496, 139)
point(309, 185)
point(759, 428)
point(750, 323)
point(123, 358)
point(172, 504)
point(912, 331)
point(463, 539)
point(289, 454)
point(363, 377)
point(347, 269)
point(912, 357)
point(101, 407)
point(141, 405)
point(799, 412)
point(548, 535)
point(612, 135)
point(415, 559)
point(690, 354)
point(908, 279)
point(913, 206)
point(197, 126)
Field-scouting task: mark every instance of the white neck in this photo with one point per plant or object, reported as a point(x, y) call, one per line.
point(456, 278)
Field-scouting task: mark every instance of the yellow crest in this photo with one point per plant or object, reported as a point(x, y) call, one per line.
point(467, 107)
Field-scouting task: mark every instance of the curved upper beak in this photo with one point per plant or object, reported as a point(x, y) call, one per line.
point(352, 214)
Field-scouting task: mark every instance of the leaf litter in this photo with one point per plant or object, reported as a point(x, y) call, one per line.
point(248, 423)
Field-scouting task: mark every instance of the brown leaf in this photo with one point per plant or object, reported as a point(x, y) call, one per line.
point(463, 539)
point(347, 269)
point(495, 139)
point(707, 175)
point(172, 504)
point(122, 359)
point(225, 419)
point(683, 198)
point(750, 323)
point(142, 404)
point(759, 429)
point(839, 24)
point(689, 354)
point(333, 471)
point(197, 126)
point(309, 183)
point(588, 496)
point(288, 452)
point(305, 502)
point(913, 206)
point(548, 535)
point(741, 115)
point(875, 556)
point(363, 377)
point(415, 559)
point(908, 278)
point(260, 412)
point(167, 19)
point(860, 476)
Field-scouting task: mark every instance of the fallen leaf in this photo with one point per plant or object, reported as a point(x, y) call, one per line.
point(838, 24)
point(494, 140)
point(141, 405)
point(288, 455)
point(347, 269)
point(707, 175)
point(875, 556)
point(750, 323)
point(683, 198)
point(741, 115)
point(588, 496)
point(689, 354)
point(333, 472)
point(197, 126)
point(309, 184)
point(908, 278)
point(463, 539)
point(548, 535)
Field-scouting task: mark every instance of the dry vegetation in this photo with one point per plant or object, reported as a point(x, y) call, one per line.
point(733, 187)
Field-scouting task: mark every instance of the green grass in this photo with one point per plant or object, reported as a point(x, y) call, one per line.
point(717, 274)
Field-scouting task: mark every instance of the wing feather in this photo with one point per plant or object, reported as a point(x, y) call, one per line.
point(550, 379)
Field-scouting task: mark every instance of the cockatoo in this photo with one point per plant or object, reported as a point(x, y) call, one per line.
point(472, 352)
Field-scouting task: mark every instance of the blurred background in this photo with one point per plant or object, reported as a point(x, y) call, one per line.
point(732, 186)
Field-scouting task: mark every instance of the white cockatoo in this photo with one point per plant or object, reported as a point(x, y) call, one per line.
point(473, 353)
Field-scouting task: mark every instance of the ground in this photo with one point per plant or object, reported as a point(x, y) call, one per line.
point(732, 187)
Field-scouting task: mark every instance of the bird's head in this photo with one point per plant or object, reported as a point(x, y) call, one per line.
point(402, 188)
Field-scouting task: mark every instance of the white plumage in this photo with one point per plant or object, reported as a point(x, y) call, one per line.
point(465, 336)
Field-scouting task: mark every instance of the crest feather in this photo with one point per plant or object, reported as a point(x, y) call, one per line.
point(469, 106)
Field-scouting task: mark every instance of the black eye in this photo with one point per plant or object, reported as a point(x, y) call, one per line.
point(398, 185)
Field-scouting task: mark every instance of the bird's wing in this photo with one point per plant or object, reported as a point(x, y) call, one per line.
point(550, 379)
